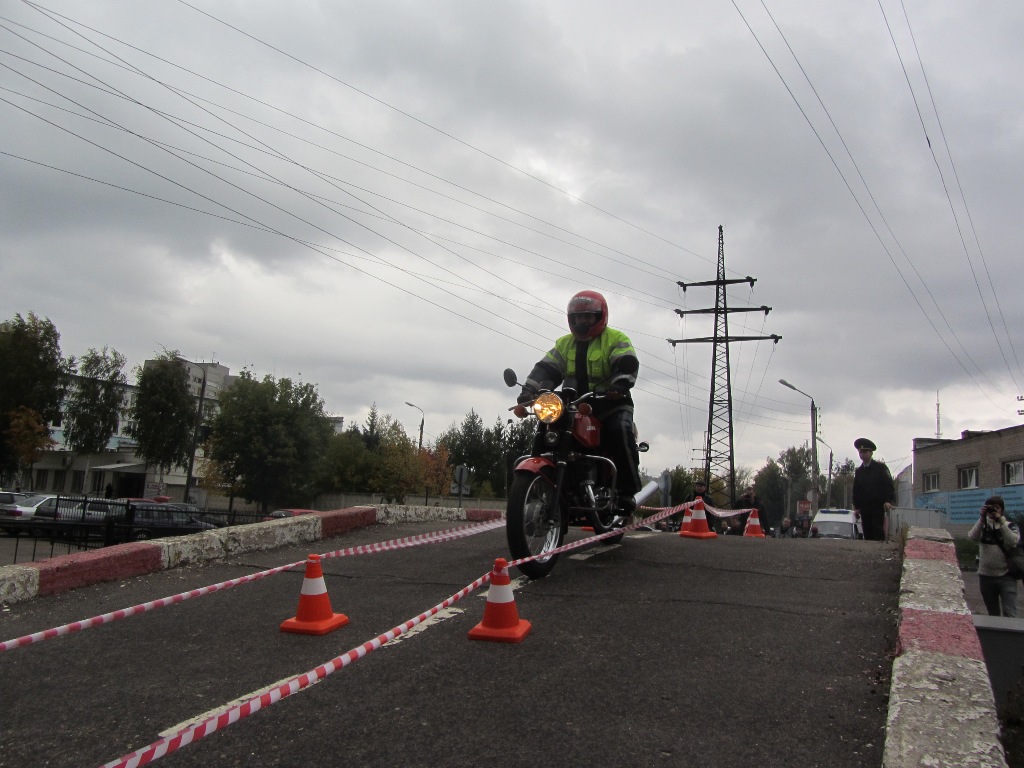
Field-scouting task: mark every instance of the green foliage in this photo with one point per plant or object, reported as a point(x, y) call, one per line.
point(682, 487)
point(94, 402)
point(395, 471)
point(33, 374)
point(842, 484)
point(488, 453)
point(770, 488)
point(966, 554)
point(271, 435)
point(347, 463)
point(164, 412)
point(28, 437)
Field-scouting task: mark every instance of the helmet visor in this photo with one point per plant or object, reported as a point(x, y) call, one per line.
point(580, 323)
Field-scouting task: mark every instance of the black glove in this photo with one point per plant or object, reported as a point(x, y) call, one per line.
point(616, 392)
point(526, 396)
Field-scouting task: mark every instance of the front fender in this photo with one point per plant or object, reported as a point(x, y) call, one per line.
point(537, 465)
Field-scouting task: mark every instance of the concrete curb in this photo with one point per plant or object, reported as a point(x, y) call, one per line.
point(60, 574)
point(941, 707)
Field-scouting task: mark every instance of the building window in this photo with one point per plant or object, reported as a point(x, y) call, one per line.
point(968, 477)
point(1013, 472)
point(42, 475)
point(931, 482)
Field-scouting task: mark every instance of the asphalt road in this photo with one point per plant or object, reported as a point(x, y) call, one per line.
point(661, 652)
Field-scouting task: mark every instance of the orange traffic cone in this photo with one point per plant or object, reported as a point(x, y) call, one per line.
point(314, 616)
point(699, 524)
point(501, 619)
point(687, 521)
point(754, 526)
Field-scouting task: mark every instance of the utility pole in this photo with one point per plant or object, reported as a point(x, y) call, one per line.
point(719, 456)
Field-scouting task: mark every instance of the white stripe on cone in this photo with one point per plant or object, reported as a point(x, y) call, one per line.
point(314, 586)
point(500, 593)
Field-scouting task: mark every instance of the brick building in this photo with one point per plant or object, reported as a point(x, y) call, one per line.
point(956, 476)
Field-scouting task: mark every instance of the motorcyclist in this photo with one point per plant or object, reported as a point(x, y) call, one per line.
point(596, 358)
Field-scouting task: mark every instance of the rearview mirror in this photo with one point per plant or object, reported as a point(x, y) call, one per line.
point(510, 378)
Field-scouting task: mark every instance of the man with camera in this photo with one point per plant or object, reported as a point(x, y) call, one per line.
point(997, 536)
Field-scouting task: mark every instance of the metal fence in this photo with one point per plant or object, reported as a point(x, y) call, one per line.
point(69, 524)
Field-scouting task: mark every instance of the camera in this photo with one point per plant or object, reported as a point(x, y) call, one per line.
point(988, 509)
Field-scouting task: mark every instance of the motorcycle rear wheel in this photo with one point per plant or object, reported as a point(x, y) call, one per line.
point(533, 523)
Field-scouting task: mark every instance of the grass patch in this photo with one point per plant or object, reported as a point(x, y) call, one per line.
point(966, 554)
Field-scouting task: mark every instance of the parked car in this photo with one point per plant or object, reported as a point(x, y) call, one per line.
point(279, 514)
point(78, 509)
point(838, 524)
point(21, 509)
point(11, 497)
point(154, 520)
point(216, 520)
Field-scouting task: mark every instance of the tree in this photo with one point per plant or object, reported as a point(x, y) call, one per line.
point(163, 412)
point(272, 434)
point(436, 470)
point(682, 484)
point(395, 472)
point(33, 374)
point(770, 487)
point(842, 485)
point(94, 403)
point(347, 463)
point(29, 438)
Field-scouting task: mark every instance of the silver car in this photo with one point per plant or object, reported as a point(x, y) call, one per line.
point(24, 508)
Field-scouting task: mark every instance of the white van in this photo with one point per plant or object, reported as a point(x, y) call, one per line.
point(838, 524)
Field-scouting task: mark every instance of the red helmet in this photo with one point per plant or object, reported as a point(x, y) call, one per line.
point(581, 306)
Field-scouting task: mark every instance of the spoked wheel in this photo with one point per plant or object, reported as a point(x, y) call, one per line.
point(533, 523)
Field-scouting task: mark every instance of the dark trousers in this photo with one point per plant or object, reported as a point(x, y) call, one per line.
point(873, 521)
point(999, 594)
point(618, 442)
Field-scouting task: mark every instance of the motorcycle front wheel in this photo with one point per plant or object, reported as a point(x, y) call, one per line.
point(533, 523)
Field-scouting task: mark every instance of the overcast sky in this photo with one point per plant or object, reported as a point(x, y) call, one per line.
point(395, 200)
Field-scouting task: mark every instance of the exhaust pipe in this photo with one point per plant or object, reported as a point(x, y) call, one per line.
point(645, 492)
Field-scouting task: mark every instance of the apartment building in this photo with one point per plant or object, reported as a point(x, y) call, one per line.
point(956, 476)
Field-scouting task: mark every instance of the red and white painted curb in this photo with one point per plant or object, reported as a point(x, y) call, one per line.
point(941, 707)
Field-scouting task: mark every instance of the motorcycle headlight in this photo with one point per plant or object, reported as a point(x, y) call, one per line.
point(548, 407)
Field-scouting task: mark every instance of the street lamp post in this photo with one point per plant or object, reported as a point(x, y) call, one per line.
point(814, 441)
point(422, 419)
point(828, 484)
point(419, 450)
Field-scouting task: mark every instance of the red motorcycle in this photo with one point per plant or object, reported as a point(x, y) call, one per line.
point(565, 481)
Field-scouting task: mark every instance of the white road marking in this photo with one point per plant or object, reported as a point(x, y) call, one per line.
point(223, 707)
point(591, 552)
point(437, 618)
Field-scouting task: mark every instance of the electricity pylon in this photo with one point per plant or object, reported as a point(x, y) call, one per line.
point(719, 456)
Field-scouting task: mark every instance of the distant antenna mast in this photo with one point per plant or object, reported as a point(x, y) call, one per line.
point(938, 420)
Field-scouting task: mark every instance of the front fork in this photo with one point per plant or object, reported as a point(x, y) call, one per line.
point(559, 508)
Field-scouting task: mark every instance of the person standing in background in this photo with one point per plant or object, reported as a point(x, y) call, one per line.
point(873, 490)
point(995, 534)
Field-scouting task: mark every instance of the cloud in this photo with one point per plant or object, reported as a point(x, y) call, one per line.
point(395, 201)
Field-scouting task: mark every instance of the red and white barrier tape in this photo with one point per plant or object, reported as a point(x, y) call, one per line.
point(450, 534)
point(295, 684)
point(665, 512)
point(233, 714)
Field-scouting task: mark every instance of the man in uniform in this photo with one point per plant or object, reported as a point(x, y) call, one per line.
point(873, 490)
